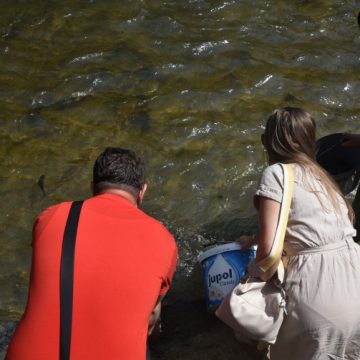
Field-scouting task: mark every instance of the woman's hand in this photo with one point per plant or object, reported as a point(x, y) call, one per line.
point(246, 241)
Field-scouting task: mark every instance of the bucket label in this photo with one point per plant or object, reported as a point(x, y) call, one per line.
point(221, 278)
point(222, 272)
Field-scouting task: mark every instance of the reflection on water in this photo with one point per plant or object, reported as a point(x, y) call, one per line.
point(186, 84)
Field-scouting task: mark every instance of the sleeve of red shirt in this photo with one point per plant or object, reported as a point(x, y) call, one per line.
point(43, 219)
point(173, 256)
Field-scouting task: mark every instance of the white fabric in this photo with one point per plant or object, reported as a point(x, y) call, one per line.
point(322, 283)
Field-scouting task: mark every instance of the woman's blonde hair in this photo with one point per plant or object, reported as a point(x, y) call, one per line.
point(290, 137)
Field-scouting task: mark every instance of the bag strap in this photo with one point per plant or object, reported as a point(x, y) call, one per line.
point(67, 279)
point(276, 250)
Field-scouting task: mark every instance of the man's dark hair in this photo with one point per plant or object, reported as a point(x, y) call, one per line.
point(118, 168)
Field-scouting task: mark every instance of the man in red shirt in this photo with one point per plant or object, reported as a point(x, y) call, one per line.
point(124, 262)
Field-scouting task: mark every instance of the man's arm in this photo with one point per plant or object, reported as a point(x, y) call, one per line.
point(167, 279)
point(155, 316)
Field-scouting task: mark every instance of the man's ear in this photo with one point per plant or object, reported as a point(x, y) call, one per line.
point(142, 192)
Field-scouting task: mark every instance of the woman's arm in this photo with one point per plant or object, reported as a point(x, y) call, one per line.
point(269, 211)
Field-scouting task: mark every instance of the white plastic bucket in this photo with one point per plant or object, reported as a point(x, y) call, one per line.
point(223, 266)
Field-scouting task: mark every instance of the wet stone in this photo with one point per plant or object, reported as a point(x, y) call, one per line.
point(7, 329)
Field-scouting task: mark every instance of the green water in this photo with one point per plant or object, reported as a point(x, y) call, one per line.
point(187, 84)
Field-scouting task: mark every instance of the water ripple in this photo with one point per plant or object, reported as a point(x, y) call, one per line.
point(207, 48)
point(86, 58)
point(264, 81)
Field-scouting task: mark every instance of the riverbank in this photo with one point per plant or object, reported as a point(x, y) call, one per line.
point(188, 333)
point(6, 330)
point(191, 333)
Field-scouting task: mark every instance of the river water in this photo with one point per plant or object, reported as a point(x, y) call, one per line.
point(187, 84)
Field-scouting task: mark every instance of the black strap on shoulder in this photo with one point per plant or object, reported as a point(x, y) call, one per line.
point(67, 279)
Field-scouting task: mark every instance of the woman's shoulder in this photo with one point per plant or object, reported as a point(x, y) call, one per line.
point(271, 182)
point(272, 179)
point(273, 170)
point(276, 170)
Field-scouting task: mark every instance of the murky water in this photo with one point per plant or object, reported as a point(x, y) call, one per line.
point(187, 84)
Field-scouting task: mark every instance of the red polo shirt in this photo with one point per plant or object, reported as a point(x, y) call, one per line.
point(124, 260)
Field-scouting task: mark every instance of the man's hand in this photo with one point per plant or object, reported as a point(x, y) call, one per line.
point(154, 317)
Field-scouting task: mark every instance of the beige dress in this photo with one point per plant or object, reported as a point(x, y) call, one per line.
point(322, 264)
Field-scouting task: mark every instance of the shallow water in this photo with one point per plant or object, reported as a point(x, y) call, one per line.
point(187, 84)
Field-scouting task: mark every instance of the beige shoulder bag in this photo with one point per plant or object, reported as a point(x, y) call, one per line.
point(254, 308)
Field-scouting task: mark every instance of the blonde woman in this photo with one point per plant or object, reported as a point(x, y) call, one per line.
point(321, 260)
